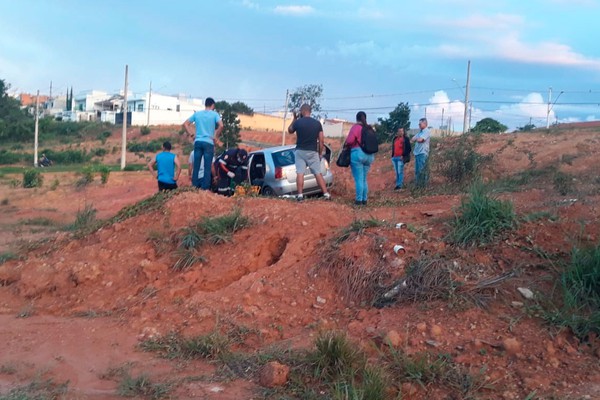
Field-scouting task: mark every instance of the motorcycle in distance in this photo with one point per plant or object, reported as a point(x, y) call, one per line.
point(44, 161)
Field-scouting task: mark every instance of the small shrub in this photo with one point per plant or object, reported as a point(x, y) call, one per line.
point(69, 156)
point(213, 230)
point(104, 174)
point(54, 184)
point(335, 356)
point(213, 345)
point(187, 259)
point(142, 386)
point(563, 183)
point(104, 136)
point(145, 147)
point(99, 152)
point(32, 178)
point(461, 162)
point(580, 284)
point(421, 368)
point(85, 219)
point(481, 218)
point(7, 157)
point(86, 177)
point(145, 130)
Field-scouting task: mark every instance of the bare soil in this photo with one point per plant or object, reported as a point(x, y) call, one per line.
point(75, 308)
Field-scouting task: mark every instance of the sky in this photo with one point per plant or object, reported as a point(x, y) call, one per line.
point(526, 57)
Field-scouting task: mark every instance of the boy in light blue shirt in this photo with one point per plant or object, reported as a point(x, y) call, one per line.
point(208, 127)
point(167, 168)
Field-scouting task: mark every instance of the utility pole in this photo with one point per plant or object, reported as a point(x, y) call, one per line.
point(124, 135)
point(467, 96)
point(548, 112)
point(442, 123)
point(148, 106)
point(470, 112)
point(37, 117)
point(287, 95)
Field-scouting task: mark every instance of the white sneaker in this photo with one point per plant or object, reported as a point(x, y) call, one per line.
point(327, 196)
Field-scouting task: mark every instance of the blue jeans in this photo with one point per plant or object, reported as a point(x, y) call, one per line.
point(421, 170)
point(360, 163)
point(399, 169)
point(203, 150)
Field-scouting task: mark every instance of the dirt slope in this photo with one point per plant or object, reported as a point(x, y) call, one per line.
point(272, 278)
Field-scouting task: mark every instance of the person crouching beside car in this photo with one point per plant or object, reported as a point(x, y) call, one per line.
point(228, 164)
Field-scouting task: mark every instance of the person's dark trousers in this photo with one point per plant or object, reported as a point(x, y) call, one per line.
point(202, 150)
point(166, 186)
point(224, 184)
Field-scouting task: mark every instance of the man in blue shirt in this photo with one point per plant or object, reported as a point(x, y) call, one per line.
point(421, 152)
point(208, 127)
point(167, 168)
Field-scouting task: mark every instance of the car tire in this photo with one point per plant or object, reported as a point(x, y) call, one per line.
point(268, 191)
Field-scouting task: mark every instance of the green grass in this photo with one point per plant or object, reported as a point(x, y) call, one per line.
point(142, 386)
point(358, 226)
point(153, 203)
point(32, 178)
point(481, 218)
point(563, 183)
point(540, 215)
point(213, 345)
point(38, 221)
point(336, 357)
point(37, 390)
point(211, 230)
point(85, 220)
point(580, 287)
point(7, 256)
point(69, 168)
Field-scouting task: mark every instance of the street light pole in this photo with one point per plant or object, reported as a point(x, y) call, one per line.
point(548, 112)
point(551, 106)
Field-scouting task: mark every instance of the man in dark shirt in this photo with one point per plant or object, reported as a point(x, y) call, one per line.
point(309, 148)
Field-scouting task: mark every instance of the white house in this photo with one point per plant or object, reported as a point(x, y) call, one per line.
point(162, 110)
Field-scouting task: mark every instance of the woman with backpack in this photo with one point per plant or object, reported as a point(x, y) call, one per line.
point(400, 155)
point(360, 161)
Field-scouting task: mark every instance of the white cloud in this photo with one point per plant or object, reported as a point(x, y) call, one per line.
point(499, 36)
point(250, 4)
point(442, 111)
point(548, 53)
point(487, 22)
point(571, 3)
point(294, 10)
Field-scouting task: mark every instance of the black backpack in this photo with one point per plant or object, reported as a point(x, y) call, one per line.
point(368, 140)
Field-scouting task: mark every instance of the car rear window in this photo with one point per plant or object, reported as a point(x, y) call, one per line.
point(284, 158)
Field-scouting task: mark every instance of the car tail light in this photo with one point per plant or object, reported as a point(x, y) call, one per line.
point(279, 174)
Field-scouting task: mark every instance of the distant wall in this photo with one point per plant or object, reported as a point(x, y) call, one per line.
point(263, 122)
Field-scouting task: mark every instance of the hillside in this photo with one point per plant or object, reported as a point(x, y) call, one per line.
point(76, 305)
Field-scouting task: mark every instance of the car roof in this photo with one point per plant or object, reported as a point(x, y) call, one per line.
point(274, 149)
point(278, 148)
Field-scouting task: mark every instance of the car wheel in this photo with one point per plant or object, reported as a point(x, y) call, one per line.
point(267, 191)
